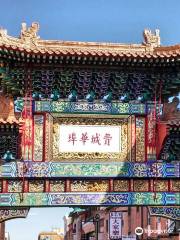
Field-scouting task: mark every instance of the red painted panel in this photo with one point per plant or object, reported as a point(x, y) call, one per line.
point(161, 134)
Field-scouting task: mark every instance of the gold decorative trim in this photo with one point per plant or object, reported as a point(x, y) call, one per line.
point(48, 137)
point(140, 139)
point(38, 137)
point(88, 115)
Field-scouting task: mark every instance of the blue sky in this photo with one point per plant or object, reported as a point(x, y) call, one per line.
point(38, 220)
point(85, 20)
point(94, 20)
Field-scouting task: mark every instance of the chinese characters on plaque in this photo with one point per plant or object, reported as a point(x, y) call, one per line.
point(88, 138)
point(115, 225)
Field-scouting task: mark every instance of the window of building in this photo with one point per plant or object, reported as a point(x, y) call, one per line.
point(129, 220)
point(101, 222)
point(122, 222)
point(74, 228)
point(149, 219)
point(107, 226)
point(129, 211)
point(84, 237)
point(101, 225)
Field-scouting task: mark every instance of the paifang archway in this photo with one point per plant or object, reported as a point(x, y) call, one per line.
point(88, 123)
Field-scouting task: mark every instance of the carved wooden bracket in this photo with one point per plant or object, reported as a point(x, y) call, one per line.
point(8, 214)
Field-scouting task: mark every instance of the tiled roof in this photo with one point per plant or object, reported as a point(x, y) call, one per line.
point(175, 122)
point(30, 43)
point(10, 121)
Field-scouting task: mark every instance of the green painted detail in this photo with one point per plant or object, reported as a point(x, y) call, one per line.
point(85, 199)
point(19, 105)
point(121, 107)
point(2, 70)
point(8, 156)
point(89, 107)
point(148, 199)
point(104, 170)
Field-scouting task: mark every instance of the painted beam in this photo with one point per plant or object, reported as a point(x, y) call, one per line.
point(31, 169)
point(167, 212)
point(85, 199)
point(84, 106)
point(64, 106)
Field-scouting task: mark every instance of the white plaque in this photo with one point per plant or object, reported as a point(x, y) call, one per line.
point(88, 138)
point(115, 225)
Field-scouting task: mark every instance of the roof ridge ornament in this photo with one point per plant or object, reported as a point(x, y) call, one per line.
point(3, 32)
point(29, 35)
point(152, 39)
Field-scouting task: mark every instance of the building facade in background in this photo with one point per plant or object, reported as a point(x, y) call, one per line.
point(2, 231)
point(55, 234)
point(3, 234)
point(84, 225)
point(7, 236)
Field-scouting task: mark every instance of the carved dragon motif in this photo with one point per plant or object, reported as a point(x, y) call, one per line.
point(29, 35)
point(151, 39)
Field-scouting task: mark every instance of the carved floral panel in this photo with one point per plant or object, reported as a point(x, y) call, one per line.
point(140, 139)
point(38, 137)
point(57, 186)
point(121, 185)
point(161, 185)
point(133, 138)
point(36, 186)
point(151, 125)
point(15, 186)
point(175, 185)
point(141, 185)
point(48, 137)
point(90, 186)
